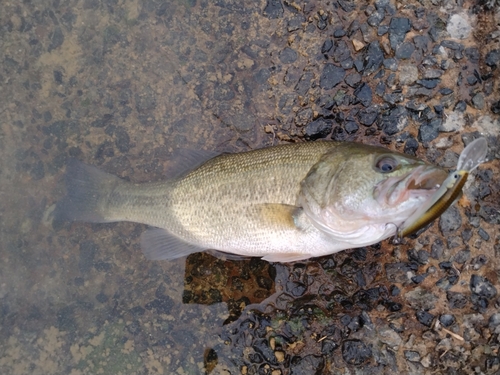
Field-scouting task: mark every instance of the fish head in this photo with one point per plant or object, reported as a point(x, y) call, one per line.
point(354, 188)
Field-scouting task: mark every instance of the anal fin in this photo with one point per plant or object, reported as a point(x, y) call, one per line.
point(159, 244)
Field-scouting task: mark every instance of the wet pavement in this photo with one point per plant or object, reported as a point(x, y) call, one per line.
point(124, 84)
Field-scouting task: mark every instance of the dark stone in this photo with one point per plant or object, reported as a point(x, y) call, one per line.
point(351, 127)
point(382, 30)
point(353, 79)
point(397, 272)
point(478, 100)
point(492, 58)
point(452, 45)
point(412, 355)
point(328, 346)
point(482, 287)
point(445, 91)
point(411, 146)
point(482, 233)
point(364, 94)
point(342, 51)
point(102, 298)
point(376, 17)
point(447, 320)
point(288, 55)
point(56, 39)
point(429, 83)
point(331, 76)
point(147, 99)
point(273, 9)
point(425, 317)
point(494, 321)
point(58, 77)
point(373, 58)
point(490, 214)
point(296, 289)
point(394, 120)
point(453, 242)
point(66, 319)
point(495, 108)
point(456, 300)
point(355, 352)
point(309, 364)
point(421, 42)
point(466, 235)
point(319, 128)
point(222, 92)
point(368, 116)
point(391, 64)
point(419, 278)
point(462, 256)
point(339, 33)
point(37, 171)
point(327, 46)
point(404, 51)
point(450, 221)
point(88, 250)
point(429, 131)
point(461, 106)
point(398, 28)
point(380, 89)
point(472, 54)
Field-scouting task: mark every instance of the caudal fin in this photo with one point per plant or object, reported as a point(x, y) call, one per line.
point(87, 192)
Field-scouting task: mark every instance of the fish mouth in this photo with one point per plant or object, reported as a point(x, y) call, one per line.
point(421, 183)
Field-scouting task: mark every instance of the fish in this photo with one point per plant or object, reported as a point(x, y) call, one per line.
point(282, 203)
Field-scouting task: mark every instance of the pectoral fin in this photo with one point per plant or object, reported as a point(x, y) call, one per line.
point(278, 215)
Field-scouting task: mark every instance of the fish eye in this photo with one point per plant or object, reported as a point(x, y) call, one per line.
point(386, 164)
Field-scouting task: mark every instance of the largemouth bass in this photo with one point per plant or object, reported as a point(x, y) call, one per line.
point(282, 203)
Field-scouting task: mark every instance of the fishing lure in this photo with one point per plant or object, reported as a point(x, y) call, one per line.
point(470, 158)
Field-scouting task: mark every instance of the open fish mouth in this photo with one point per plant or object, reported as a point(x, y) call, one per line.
point(420, 183)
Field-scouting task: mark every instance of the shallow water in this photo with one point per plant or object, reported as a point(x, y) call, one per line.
point(124, 84)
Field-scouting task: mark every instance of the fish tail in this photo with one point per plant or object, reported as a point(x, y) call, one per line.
point(88, 191)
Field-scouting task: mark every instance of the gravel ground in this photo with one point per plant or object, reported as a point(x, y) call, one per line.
point(124, 84)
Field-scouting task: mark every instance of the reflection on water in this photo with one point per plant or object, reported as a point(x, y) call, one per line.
point(123, 85)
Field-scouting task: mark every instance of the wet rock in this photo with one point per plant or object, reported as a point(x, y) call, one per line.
point(456, 300)
point(394, 120)
point(462, 256)
point(351, 127)
point(339, 33)
point(355, 352)
point(450, 220)
point(411, 146)
point(288, 55)
point(319, 128)
point(373, 58)
point(331, 76)
point(492, 58)
point(478, 100)
point(404, 51)
point(398, 28)
point(412, 355)
point(56, 38)
point(353, 79)
point(364, 94)
point(490, 214)
point(66, 319)
point(425, 318)
point(461, 106)
point(397, 272)
point(308, 365)
point(429, 131)
point(482, 233)
point(328, 346)
point(368, 116)
point(273, 9)
point(447, 320)
point(482, 287)
point(327, 46)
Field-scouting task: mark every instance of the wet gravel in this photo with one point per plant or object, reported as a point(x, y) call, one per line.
point(124, 86)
